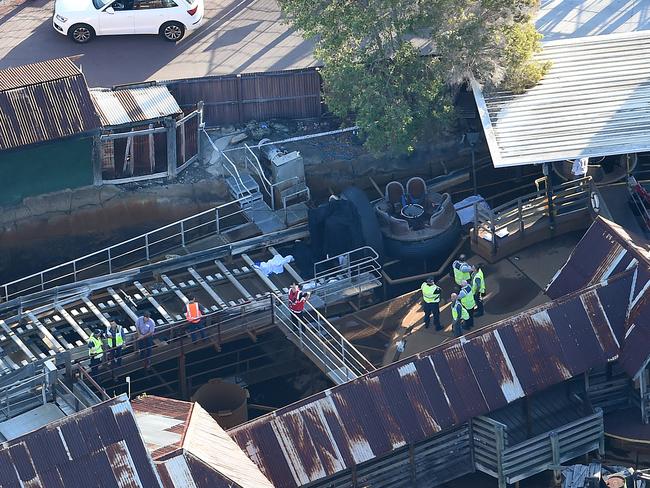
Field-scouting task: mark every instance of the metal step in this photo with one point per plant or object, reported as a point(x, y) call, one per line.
point(245, 188)
point(261, 214)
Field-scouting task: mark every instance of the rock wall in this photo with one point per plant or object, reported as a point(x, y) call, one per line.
point(57, 227)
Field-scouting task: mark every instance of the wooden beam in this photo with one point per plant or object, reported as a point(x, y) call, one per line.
point(46, 335)
point(118, 299)
point(226, 272)
point(153, 301)
point(168, 281)
point(210, 291)
point(288, 267)
point(21, 345)
point(91, 306)
point(73, 323)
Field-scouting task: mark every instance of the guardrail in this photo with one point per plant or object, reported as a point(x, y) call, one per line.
point(322, 342)
point(141, 249)
point(515, 217)
point(352, 269)
point(511, 463)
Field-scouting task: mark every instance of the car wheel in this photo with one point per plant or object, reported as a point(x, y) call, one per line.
point(172, 31)
point(81, 33)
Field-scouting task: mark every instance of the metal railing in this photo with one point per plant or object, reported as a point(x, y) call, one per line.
point(322, 343)
point(349, 270)
point(140, 249)
point(250, 158)
point(494, 455)
point(514, 217)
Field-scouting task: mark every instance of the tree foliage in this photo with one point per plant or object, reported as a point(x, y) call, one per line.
point(393, 66)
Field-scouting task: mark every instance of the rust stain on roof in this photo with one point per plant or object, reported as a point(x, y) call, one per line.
point(409, 401)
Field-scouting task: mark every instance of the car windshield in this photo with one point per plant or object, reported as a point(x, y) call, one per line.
point(101, 3)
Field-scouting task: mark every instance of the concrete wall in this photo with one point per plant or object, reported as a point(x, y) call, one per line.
point(50, 229)
point(45, 168)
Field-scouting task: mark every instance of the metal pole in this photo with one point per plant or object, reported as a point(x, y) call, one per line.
point(182, 233)
point(146, 245)
point(216, 219)
point(549, 194)
point(474, 171)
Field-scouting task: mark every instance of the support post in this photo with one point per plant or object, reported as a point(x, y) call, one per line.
point(152, 150)
point(555, 451)
point(529, 418)
point(412, 466)
point(500, 445)
point(549, 194)
point(170, 134)
point(645, 396)
point(182, 372)
point(96, 158)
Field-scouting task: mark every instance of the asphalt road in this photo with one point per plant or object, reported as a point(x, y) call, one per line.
point(236, 36)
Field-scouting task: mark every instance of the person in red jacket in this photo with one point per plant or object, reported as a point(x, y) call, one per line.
point(294, 290)
point(298, 306)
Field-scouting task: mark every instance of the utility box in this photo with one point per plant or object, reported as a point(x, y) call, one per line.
point(287, 170)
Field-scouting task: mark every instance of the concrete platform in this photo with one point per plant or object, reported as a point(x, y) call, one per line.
point(514, 284)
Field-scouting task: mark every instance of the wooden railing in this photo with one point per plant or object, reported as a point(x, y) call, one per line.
point(511, 463)
point(513, 219)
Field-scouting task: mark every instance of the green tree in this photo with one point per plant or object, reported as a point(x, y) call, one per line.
point(393, 66)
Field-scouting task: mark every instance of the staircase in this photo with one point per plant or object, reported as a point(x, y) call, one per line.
point(325, 346)
point(609, 390)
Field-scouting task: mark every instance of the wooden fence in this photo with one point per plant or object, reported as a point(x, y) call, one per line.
point(511, 463)
point(237, 99)
point(429, 463)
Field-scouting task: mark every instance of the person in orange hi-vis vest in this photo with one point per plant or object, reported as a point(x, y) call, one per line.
point(195, 318)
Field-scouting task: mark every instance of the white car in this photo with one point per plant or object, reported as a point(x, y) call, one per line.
point(81, 20)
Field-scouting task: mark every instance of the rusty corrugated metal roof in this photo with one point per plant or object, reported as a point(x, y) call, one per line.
point(43, 102)
point(162, 422)
point(171, 428)
point(128, 105)
point(36, 73)
point(99, 446)
point(605, 250)
point(413, 399)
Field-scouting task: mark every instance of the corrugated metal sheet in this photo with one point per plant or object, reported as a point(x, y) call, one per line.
point(99, 446)
point(604, 251)
point(37, 73)
point(186, 471)
point(411, 400)
point(162, 422)
point(594, 101)
point(172, 427)
point(125, 106)
point(42, 102)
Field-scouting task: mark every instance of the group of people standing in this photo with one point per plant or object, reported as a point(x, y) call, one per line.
point(466, 303)
point(145, 326)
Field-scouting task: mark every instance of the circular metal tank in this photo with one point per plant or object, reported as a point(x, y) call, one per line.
point(227, 403)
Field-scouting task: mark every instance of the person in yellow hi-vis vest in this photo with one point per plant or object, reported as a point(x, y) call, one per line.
point(459, 314)
point(478, 287)
point(466, 297)
point(431, 303)
point(95, 350)
point(462, 270)
point(115, 341)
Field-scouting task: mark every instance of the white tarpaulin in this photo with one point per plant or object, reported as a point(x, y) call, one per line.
point(274, 265)
point(465, 208)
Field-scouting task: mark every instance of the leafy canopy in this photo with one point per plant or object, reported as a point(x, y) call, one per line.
point(392, 66)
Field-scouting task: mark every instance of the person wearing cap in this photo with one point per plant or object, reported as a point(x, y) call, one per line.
point(462, 270)
point(95, 350)
point(431, 303)
point(466, 298)
point(115, 341)
point(145, 328)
